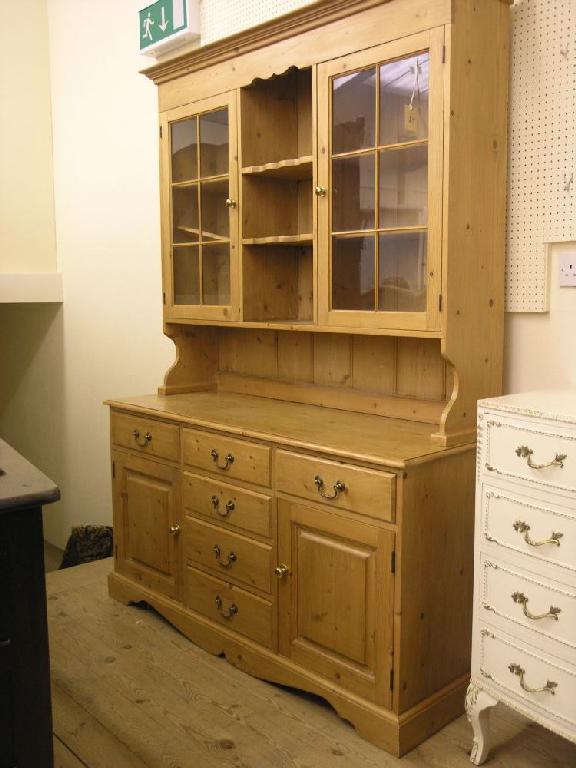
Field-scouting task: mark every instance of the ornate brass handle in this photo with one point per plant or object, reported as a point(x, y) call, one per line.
point(521, 599)
point(320, 191)
point(517, 670)
point(339, 487)
point(231, 557)
point(141, 443)
point(526, 453)
point(174, 530)
point(281, 570)
point(523, 527)
point(232, 610)
point(230, 203)
point(228, 459)
point(230, 506)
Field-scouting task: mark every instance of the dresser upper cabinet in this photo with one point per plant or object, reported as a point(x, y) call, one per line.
point(380, 185)
point(200, 210)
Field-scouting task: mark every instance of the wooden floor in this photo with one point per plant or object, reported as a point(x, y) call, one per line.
point(131, 692)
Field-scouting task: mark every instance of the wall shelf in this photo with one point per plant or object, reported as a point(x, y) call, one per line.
point(31, 288)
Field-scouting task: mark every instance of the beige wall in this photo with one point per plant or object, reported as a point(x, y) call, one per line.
point(59, 363)
point(27, 240)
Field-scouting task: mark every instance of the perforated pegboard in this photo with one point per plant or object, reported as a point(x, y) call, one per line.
point(220, 18)
point(542, 160)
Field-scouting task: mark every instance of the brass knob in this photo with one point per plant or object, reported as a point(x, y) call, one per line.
point(281, 570)
point(230, 203)
point(320, 191)
point(174, 530)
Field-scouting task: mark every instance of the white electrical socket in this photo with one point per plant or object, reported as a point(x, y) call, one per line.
point(567, 266)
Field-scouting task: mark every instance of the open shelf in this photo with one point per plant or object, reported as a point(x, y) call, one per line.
point(293, 169)
point(304, 239)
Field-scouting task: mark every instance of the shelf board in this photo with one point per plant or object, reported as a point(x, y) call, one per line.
point(305, 239)
point(210, 236)
point(293, 169)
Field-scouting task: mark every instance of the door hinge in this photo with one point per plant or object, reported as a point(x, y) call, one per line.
point(440, 302)
point(391, 679)
point(160, 131)
point(113, 470)
point(393, 562)
point(115, 550)
point(163, 297)
point(443, 54)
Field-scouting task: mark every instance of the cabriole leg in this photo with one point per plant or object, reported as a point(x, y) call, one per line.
point(478, 704)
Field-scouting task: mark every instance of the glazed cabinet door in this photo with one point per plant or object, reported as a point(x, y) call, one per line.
point(147, 522)
point(199, 186)
point(336, 598)
point(380, 168)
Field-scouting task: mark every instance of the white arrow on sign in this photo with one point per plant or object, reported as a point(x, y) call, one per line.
point(164, 23)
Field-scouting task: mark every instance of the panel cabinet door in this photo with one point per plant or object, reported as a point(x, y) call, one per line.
point(380, 168)
point(199, 188)
point(147, 521)
point(336, 599)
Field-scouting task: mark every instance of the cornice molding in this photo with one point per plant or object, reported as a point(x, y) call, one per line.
point(273, 31)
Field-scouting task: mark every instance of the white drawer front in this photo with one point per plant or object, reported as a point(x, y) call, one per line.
point(543, 685)
point(550, 611)
point(523, 525)
point(530, 452)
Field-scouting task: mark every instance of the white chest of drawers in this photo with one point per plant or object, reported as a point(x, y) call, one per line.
point(524, 635)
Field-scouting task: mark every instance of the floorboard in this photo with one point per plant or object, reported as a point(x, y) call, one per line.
point(129, 691)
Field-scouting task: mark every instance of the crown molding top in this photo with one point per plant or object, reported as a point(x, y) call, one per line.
point(295, 23)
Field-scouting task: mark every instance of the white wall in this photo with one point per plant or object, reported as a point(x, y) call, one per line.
point(27, 238)
point(59, 364)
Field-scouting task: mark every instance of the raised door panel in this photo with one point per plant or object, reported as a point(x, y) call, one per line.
point(336, 599)
point(199, 188)
point(380, 150)
point(147, 522)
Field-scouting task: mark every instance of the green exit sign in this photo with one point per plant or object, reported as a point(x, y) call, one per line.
point(166, 23)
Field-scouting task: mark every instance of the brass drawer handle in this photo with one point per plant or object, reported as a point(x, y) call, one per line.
point(228, 459)
point(230, 506)
point(523, 527)
point(526, 453)
point(521, 599)
point(517, 670)
point(339, 487)
point(228, 614)
point(141, 443)
point(281, 570)
point(174, 530)
point(231, 557)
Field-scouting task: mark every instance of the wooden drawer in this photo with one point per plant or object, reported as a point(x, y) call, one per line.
point(227, 505)
point(547, 609)
point(522, 524)
point(510, 666)
point(531, 452)
point(230, 606)
point(228, 554)
point(236, 459)
point(154, 438)
point(364, 491)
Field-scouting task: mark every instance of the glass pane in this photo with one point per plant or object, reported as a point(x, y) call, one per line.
point(402, 272)
point(186, 275)
point(185, 214)
point(353, 193)
point(403, 187)
point(184, 150)
point(216, 274)
point(404, 100)
point(353, 273)
point(353, 111)
point(214, 143)
point(215, 212)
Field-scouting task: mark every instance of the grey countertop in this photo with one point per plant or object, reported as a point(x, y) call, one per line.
point(21, 484)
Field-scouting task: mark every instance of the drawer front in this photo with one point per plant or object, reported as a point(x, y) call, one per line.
point(228, 554)
point(230, 606)
point(543, 685)
point(154, 438)
point(339, 485)
point(549, 610)
point(234, 459)
point(227, 505)
point(547, 533)
point(529, 452)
